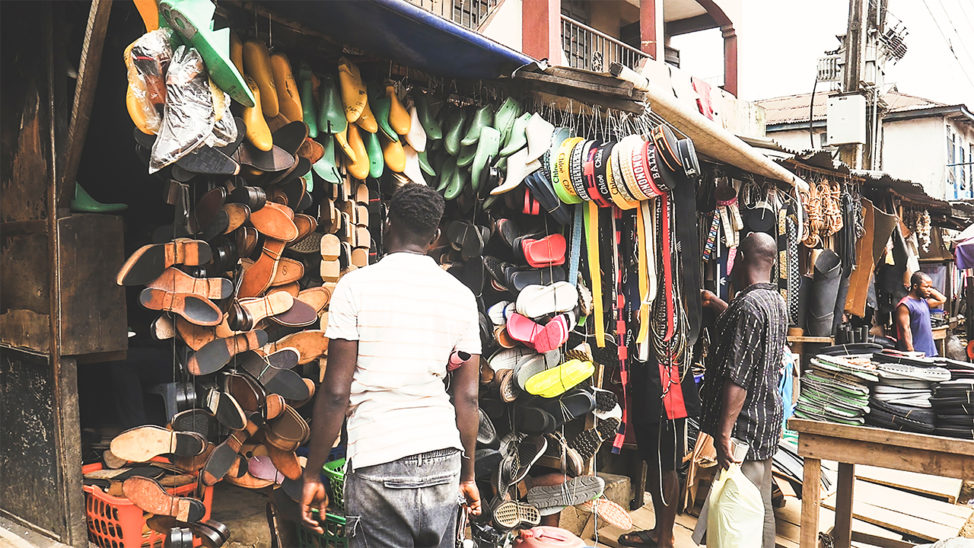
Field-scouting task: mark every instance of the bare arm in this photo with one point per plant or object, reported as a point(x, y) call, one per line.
point(713, 302)
point(328, 414)
point(936, 299)
point(732, 401)
point(466, 384)
point(903, 321)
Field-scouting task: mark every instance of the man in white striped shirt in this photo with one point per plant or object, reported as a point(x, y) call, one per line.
point(392, 328)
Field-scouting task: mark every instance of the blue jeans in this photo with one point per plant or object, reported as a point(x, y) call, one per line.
point(408, 502)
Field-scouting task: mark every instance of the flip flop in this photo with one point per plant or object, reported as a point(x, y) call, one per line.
point(536, 301)
point(149, 496)
point(554, 333)
point(542, 191)
point(572, 492)
point(531, 419)
point(554, 382)
point(542, 252)
point(574, 404)
point(141, 443)
point(512, 514)
point(193, 20)
point(536, 363)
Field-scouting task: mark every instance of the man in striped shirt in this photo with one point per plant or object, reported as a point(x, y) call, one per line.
point(740, 390)
point(392, 329)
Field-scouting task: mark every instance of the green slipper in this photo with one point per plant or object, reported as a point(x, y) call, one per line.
point(467, 152)
point(331, 115)
point(457, 182)
point(487, 147)
point(377, 162)
point(518, 137)
point(380, 109)
point(308, 100)
point(483, 117)
point(455, 119)
point(193, 20)
point(430, 124)
point(84, 203)
point(447, 172)
point(505, 116)
point(325, 166)
point(425, 165)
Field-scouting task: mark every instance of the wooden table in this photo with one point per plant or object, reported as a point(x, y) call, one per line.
point(940, 339)
point(851, 445)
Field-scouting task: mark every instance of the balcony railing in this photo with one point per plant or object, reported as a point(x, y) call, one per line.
point(589, 49)
point(466, 13)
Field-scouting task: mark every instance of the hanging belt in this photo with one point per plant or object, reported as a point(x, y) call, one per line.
point(667, 254)
point(644, 298)
point(595, 274)
point(575, 252)
point(688, 245)
point(618, 306)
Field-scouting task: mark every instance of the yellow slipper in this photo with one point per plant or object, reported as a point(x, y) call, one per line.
point(398, 116)
point(341, 138)
point(258, 133)
point(257, 61)
point(236, 52)
point(288, 99)
point(359, 168)
point(555, 382)
point(394, 155)
point(353, 89)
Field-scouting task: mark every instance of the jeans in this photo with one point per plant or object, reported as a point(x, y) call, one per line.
point(759, 472)
point(408, 502)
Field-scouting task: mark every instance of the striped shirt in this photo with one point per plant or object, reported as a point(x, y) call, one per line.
point(408, 315)
point(750, 344)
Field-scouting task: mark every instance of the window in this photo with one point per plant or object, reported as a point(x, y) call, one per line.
point(951, 160)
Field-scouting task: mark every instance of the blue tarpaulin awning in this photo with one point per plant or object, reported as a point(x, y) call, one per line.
point(408, 35)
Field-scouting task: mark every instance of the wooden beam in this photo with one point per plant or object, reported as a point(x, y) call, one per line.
point(691, 24)
point(811, 495)
point(886, 437)
point(84, 93)
point(842, 533)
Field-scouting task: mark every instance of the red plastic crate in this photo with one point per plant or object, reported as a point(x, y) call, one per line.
point(115, 522)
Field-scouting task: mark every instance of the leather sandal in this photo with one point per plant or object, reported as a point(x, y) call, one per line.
point(174, 280)
point(212, 534)
point(151, 260)
point(141, 443)
point(216, 354)
point(193, 308)
point(151, 497)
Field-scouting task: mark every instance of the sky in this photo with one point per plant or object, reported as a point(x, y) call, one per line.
point(780, 41)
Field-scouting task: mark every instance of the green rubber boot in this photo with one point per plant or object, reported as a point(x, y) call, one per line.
point(84, 203)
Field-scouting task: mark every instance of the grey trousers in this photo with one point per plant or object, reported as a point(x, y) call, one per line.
point(759, 472)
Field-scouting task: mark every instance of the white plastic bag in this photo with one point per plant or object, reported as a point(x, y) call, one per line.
point(736, 514)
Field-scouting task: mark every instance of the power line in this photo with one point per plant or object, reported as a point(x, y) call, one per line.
point(967, 14)
point(950, 46)
point(957, 34)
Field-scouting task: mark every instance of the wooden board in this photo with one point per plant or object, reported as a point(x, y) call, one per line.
point(946, 489)
point(788, 521)
point(905, 512)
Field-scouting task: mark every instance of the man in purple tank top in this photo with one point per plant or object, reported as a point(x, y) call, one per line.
point(912, 316)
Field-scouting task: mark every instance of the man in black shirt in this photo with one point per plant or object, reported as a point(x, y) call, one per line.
point(740, 390)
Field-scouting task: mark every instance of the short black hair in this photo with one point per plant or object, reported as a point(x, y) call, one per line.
point(918, 278)
point(417, 208)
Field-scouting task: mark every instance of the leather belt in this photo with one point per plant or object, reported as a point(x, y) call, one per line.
point(600, 165)
point(688, 246)
point(589, 177)
point(591, 217)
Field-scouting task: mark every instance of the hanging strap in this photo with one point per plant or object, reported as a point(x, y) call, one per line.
point(618, 306)
point(667, 266)
point(576, 249)
point(644, 298)
point(595, 274)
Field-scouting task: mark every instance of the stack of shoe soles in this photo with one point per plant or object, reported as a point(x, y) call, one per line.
point(953, 405)
point(836, 389)
point(901, 398)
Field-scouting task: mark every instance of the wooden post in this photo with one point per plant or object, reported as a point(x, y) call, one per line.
point(842, 532)
point(541, 29)
point(730, 59)
point(811, 498)
point(650, 35)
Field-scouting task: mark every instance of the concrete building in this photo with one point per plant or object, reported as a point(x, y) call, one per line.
point(591, 34)
point(921, 140)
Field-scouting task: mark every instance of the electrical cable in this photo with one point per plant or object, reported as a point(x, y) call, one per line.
point(950, 46)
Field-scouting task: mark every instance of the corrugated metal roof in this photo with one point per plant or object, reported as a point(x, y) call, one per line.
point(794, 108)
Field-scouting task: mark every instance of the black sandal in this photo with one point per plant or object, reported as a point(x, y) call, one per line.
point(637, 538)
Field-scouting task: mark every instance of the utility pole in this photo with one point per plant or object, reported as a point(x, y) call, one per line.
point(855, 57)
